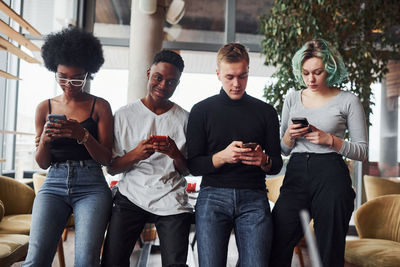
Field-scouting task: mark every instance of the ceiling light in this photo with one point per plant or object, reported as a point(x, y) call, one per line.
point(175, 11)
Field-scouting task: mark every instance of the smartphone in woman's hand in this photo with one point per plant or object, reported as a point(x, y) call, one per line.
point(55, 117)
point(300, 120)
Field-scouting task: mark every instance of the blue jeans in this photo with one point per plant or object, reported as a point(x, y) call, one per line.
point(77, 187)
point(218, 211)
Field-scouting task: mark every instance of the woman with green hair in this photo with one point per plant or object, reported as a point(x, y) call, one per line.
point(314, 122)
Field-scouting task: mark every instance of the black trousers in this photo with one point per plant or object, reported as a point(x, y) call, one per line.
point(321, 184)
point(127, 222)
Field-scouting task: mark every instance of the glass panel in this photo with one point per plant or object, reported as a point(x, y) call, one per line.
point(8, 63)
point(247, 19)
point(3, 91)
point(112, 85)
point(195, 87)
point(58, 14)
point(199, 79)
point(113, 12)
point(384, 147)
point(37, 85)
point(112, 18)
point(9, 109)
point(203, 21)
point(374, 129)
point(388, 108)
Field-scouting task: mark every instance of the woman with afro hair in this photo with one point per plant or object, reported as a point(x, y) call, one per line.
point(74, 147)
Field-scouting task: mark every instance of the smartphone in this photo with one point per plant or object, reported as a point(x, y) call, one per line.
point(300, 120)
point(250, 145)
point(53, 117)
point(158, 139)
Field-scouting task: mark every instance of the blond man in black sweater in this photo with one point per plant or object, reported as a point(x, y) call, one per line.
point(233, 142)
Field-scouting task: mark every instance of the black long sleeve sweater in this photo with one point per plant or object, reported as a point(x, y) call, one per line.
point(216, 122)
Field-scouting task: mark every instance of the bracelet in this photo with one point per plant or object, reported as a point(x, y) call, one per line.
point(333, 141)
point(85, 137)
point(267, 162)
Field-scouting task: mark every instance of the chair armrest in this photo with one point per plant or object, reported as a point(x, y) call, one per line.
point(16, 197)
point(1, 210)
point(379, 218)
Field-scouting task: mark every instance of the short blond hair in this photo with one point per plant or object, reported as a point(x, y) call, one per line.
point(232, 52)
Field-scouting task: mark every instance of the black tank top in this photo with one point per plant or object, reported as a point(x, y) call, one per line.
point(64, 149)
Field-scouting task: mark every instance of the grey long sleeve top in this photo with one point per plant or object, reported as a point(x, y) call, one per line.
point(343, 112)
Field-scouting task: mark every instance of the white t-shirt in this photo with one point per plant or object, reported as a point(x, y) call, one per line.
point(153, 184)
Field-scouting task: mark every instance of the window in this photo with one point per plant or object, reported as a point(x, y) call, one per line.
point(37, 85)
point(195, 87)
point(384, 147)
point(48, 16)
point(112, 85)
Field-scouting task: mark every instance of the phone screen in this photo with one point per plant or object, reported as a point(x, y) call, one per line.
point(249, 145)
point(300, 120)
point(158, 138)
point(53, 117)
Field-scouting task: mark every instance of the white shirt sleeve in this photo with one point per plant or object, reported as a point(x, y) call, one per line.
point(117, 149)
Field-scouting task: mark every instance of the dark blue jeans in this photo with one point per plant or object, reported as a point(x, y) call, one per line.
point(73, 186)
point(218, 211)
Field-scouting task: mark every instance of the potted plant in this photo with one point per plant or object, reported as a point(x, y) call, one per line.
point(366, 33)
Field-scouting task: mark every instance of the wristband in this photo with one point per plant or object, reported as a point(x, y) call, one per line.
point(333, 141)
point(85, 137)
point(268, 161)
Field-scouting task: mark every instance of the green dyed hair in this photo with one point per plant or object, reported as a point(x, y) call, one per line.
point(332, 60)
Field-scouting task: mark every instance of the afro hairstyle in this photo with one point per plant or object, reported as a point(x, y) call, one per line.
point(72, 47)
point(170, 57)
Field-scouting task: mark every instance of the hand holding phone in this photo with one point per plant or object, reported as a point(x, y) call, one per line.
point(250, 145)
point(158, 139)
point(52, 127)
point(57, 117)
point(300, 120)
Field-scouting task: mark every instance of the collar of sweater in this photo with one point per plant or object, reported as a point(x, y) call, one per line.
point(227, 100)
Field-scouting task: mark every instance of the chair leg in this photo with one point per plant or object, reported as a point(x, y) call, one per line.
point(60, 252)
point(297, 250)
point(193, 241)
point(65, 234)
point(102, 246)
